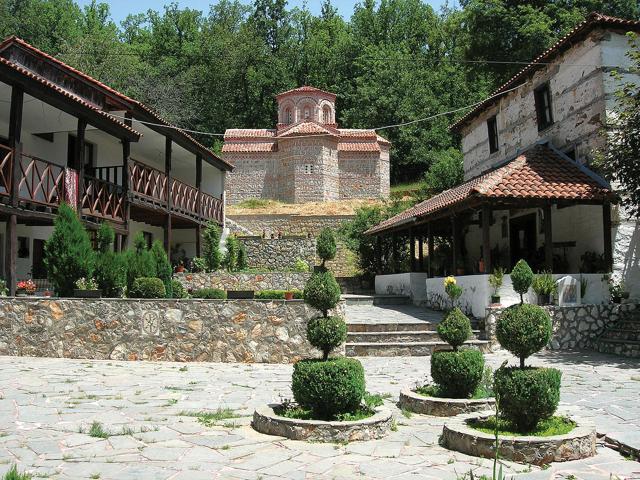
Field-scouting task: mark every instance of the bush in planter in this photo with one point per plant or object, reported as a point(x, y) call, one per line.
point(326, 245)
point(178, 290)
point(495, 280)
point(68, 255)
point(524, 330)
point(322, 291)
point(545, 287)
point(110, 270)
point(147, 287)
point(163, 268)
point(455, 329)
point(326, 333)
point(140, 262)
point(209, 293)
point(521, 277)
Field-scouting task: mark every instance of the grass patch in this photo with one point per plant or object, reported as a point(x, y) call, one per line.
point(257, 203)
point(97, 430)
point(209, 419)
point(373, 400)
point(545, 428)
point(434, 391)
point(13, 474)
point(305, 414)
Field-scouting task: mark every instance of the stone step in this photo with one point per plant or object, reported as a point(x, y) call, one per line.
point(391, 327)
point(407, 336)
point(625, 348)
point(621, 334)
point(407, 349)
point(360, 300)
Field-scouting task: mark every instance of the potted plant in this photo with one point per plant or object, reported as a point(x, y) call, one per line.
point(87, 288)
point(545, 287)
point(4, 291)
point(495, 280)
point(25, 287)
point(617, 291)
point(452, 289)
point(288, 294)
point(180, 267)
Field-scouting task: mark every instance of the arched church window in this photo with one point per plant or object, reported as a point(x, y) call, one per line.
point(287, 116)
point(307, 112)
point(326, 115)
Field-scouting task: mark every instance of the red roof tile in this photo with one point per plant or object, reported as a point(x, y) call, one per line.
point(243, 133)
point(306, 89)
point(592, 21)
point(539, 173)
point(250, 147)
point(358, 147)
point(307, 128)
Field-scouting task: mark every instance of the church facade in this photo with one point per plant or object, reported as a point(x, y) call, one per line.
point(306, 158)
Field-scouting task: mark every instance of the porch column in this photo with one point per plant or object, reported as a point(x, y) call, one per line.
point(421, 252)
point(429, 250)
point(486, 238)
point(378, 254)
point(548, 239)
point(79, 159)
point(454, 245)
point(607, 243)
point(394, 252)
point(198, 186)
point(412, 249)
point(126, 156)
point(15, 138)
point(167, 171)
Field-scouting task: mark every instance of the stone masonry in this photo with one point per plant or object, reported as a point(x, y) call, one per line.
point(173, 330)
point(243, 281)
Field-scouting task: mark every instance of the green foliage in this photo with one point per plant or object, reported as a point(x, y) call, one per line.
point(104, 237)
point(209, 293)
point(326, 333)
point(496, 279)
point(545, 428)
point(457, 374)
point(322, 292)
point(521, 277)
point(524, 330)
point(241, 261)
point(140, 261)
point(178, 290)
point(211, 246)
point(326, 245)
point(527, 395)
point(198, 264)
point(231, 257)
point(445, 172)
point(300, 266)
point(328, 388)
point(163, 268)
point(67, 254)
point(4, 291)
point(13, 474)
point(110, 268)
point(277, 294)
point(544, 284)
point(147, 287)
point(455, 329)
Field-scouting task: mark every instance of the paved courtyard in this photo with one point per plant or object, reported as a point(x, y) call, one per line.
point(47, 407)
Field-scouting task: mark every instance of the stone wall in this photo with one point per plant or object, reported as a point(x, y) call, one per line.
point(172, 330)
point(573, 327)
point(289, 224)
point(243, 281)
point(279, 253)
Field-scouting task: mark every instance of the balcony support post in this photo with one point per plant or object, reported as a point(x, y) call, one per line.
point(199, 205)
point(412, 250)
point(548, 239)
point(125, 180)
point(486, 238)
point(167, 171)
point(607, 242)
point(79, 162)
point(430, 250)
point(421, 253)
point(15, 138)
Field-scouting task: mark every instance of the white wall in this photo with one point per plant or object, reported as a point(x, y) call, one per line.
point(408, 284)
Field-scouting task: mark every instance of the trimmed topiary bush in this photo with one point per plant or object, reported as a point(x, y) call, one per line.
point(147, 287)
point(276, 294)
point(178, 290)
point(328, 387)
point(327, 333)
point(322, 292)
point(458, 374)
point(209, 293)
point(455, 329)
point(211, 246)
point(164, 271)
point(326, 245)
point(527, 395)
point(524, 329)
point(521, 277)
point(110, 269)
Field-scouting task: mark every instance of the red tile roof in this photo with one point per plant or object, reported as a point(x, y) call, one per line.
point(250, 147)
point(306, 89)
point(539, 173)
point(307, 128)
point(358, 147)
point(594, 20)
point(243, 133)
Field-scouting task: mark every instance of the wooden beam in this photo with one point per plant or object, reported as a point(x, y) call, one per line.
point(15, 139)
point(167, 236)
point(607, 242)
point(78, 158)
point(412, 250)
point(454, 245)
point(378, 249)
point(421, 253)
point(486, 238)
point(394, 253)
point(198, 240)
point(11, 251)
point(429, 251)
point(167, 169)
point(548, 239)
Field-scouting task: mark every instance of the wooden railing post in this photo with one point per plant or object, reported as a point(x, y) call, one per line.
point(15, 137)
point(167, 169)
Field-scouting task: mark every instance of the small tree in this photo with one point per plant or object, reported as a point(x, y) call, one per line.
point(211, 244)
point(162, 266)
point(326, 245)
point(110, 270)
point(231, 257)
point(322, 292)
point(521, 277)
point(445, 172)
point(140, 262)
point(67, 254)
point(242, 261)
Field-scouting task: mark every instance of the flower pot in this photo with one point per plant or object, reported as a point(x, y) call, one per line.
point(87, 293)
point(495, 299)
point(460, 271)
point(544, 299)
point(616, 299)
point(288, 295)
point(180, 269)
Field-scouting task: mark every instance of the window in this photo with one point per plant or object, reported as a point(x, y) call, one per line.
point(543, 106)
point(287, 116)
point(308, 168)
point(307, 113)
point(326, 115)
point(492, 127)
point(148, 238)
point(88, 154)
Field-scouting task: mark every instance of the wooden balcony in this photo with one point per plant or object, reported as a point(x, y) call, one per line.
point(43, 185)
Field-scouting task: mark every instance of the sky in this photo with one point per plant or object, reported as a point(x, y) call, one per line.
point(121, 8)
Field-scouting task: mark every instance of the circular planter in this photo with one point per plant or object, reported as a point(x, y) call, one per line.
point(442, 407)
point(579, 443)
point(265, 420)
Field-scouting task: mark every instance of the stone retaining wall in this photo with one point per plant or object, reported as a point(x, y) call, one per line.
point(173, 330)
point(289, 224)
point(573, 327)
point(243, 281)
point(279, 253)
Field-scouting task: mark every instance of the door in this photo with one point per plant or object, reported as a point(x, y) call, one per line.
point(38, 269)
point(522, 234)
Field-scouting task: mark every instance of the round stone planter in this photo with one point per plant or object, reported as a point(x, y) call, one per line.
point(265, 420)
point(579, 443)
point(442, 407)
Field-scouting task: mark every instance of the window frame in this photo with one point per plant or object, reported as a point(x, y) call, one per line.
point(543, 104)
point(492, 132)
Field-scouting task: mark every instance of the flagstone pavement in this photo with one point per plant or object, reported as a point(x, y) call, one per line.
point(47, 407)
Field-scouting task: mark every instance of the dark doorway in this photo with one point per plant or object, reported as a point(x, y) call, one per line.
point(523, 238)
point(38, 270)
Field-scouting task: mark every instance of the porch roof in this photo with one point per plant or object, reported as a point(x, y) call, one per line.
point(540, 174)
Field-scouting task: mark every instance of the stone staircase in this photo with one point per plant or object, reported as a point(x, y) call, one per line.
point(389, 326)
point(623, 337)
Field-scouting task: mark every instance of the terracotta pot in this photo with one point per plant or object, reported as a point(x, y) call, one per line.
point(495, 299)
point(288, 295)
point(180, 269)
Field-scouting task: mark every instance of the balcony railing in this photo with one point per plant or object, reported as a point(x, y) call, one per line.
point(45, 184)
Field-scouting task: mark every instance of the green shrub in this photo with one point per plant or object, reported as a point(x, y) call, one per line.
point(198, 264)
point(495, 280)
point(67, 254)
point(13, 474)
point(178, 290)
point(300, 266)
point(524, 329)
point(231, 257)
point(326, 333)
point(209, 293)
point(544, 284)
point(330, 387)
point(147, 287)
point(241, 261)
point(521, 277)
point(276, 294)
point(458, 374)
point(326, 245)
point(140, 262)
point(455, 329)
point(527, 395)
point(163, 268)
point(110, 268)
point(322, 292)
point(211, 246)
